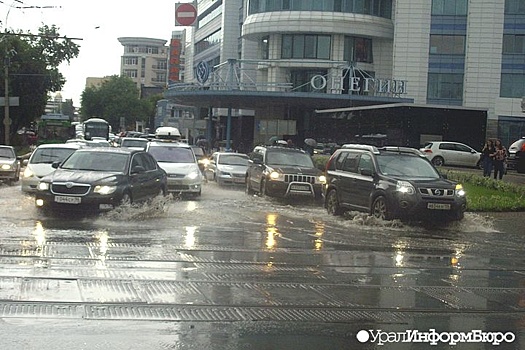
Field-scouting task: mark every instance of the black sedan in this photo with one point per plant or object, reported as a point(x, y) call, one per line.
point(99, 179)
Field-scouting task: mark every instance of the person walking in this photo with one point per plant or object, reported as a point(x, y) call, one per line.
point(500, 157)
point(488, 152)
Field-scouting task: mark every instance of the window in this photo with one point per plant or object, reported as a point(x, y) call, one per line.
point(306, 46)
point(445, 86)
point(365, 163)
point(449, 7)
point(447, 44)
point(265, 47)
point(513, 44)
point(131, 61)
point(514, 7)
point(350, 163)
point(357, 49)
point(211, 40)
point(447, 146)
point(301, 80)
point(512, 85)
point(132, 73)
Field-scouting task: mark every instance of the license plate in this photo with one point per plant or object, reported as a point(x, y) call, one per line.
point(238, 180)
point(67, 199)
point(300, 187)
point(438, 206)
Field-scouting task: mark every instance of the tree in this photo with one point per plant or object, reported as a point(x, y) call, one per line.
point(33, 73)
point(116, 98)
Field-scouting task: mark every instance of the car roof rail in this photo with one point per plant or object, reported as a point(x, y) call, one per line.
point(401, 149)
point(361, 147)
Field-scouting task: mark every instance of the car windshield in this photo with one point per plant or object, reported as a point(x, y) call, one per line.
point(411, 166)
point(97, 161)
point(6, 153)
point(198, 151)
point(172, 154)
point(50, 155)
point(290, 159)
point(233, 159)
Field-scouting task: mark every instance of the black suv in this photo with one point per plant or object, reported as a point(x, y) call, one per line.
point(516, 159)
point(283, 172)
point(390, 183)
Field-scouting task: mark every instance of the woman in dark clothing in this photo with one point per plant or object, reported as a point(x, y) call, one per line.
point(500, 158)
point(487, 153)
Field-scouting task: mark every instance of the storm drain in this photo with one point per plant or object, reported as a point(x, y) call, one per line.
point(43, 310)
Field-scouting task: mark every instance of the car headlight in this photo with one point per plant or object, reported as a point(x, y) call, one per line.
point(6, 167)
point(43, 186)
point(28, 172)
point(405, 187)
point(460, 192)
point(193, 175)
point(321, 179)
point(204, 161)
point(274, 175)
point(105, 189)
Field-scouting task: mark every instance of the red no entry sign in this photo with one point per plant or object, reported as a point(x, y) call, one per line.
point(185, 14)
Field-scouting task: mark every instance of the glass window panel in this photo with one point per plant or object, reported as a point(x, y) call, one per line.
point(298, 46)
point(309, 46)
point(449, 7)
point(286, 50)
point(461, 7)
point(437, 7)
point(323, 46)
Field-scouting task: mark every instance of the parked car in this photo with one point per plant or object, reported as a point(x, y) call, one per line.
point(40, 163)
point(390, 183)
point(451, 153)
point(516, 156)
point(227, 168)
point(134, 142)
point(179, 162)
point(283, 172)
point(99, 179)
point(9, 165)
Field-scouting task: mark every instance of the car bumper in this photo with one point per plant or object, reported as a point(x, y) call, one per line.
point(8, 175)
point(231, 180)
point(293, 189)
point(184, 185)
point(90, 203)
point(429, 208)
point(29, 184)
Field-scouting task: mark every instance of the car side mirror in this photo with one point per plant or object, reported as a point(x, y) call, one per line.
point(138, 169)
point(55, 164)
point(367, 172)
point(25, 162)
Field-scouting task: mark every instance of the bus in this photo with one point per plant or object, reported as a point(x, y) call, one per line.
point(54, 128)
point(96, 127)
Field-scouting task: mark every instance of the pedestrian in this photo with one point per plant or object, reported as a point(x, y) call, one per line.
point(500, 158)
point(487, 153)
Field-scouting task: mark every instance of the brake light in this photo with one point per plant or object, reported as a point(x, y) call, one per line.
point(427, 150)
point(523, 147)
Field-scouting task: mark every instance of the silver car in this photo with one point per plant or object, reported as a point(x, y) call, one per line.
point(179, 162)
point(40, 163)
point(9, 165)
point(227, 168)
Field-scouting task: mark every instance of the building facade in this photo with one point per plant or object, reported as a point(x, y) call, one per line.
point(448, 55)
point(145, 61)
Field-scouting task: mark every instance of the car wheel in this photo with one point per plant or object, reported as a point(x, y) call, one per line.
point(332, 203)
point(438, 161)
point(249, 189)
point(380, 209)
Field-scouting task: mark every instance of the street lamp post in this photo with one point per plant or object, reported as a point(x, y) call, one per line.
point(7, 121)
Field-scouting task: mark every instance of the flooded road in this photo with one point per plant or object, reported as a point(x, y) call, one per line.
point(232, 271)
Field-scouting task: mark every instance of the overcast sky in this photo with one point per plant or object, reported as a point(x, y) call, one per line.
point(98, 23)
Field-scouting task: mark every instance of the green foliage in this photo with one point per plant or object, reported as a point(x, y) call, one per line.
point(116, 98)
point(487, 194)
point(33, 71)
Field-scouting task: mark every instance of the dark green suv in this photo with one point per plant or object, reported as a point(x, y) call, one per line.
point(283, 172)
point(390, 183)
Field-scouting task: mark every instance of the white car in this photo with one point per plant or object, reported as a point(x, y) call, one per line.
point(180, 163)
point(227, 168)
point(40, 163)
point(133, 142)
point(451, 153)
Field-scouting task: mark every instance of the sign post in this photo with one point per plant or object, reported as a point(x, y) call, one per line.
point(185, 14)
